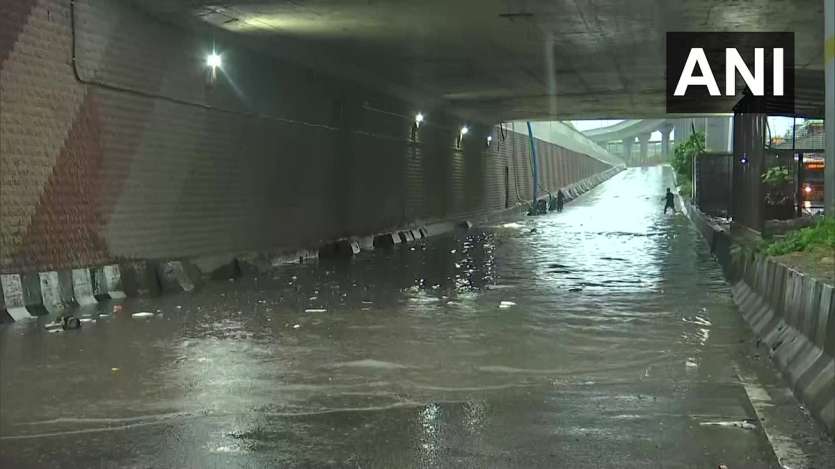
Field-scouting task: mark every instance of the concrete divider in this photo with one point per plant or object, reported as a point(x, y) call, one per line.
point(57, 291)
point(107, 282)
point(139, 278)
point(386, 240)
point(792, 313)
point(22, 296)
point(178, 276)
point(82, 285)
point(366, 243)
point(341, 248)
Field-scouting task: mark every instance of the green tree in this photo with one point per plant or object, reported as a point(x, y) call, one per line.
point(685, 153)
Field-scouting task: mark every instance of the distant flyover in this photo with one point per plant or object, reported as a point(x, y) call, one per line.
point(717, 130)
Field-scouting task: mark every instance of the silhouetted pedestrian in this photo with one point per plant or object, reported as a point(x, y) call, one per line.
point(670, 203)
point(560, 200)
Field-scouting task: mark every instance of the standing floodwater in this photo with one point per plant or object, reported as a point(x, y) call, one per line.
point(601, 336)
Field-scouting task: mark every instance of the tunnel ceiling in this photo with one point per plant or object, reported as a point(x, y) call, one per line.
point(506, 59)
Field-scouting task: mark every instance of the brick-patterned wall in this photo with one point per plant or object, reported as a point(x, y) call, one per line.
point(138, 157)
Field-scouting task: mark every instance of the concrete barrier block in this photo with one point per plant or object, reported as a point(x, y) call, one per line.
point(113, 282)
point(140, 278)
point(406, 237)
point(107, 283)
point(804, 359)
point(82, 285)
point(386, 240)
point(795, 318)
point(424, 233)
point(22, 296)
point(765, 323)
point(415, 234)
point(230, 269)
point(811, 308)
point(825, 336)
point(175, 277)
point(342, 248)
point(51, 296)
point(779, 289)
point(436, 229)
point(366, 243)
point(820, 391)
point(66, 285)
point(788, 296)
point(14, 304)
point(793, 314)
point(827, 415)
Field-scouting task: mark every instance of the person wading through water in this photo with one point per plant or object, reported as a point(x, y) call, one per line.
point(560, 200)
point(670, 202)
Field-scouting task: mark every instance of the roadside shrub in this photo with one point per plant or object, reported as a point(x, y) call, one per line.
point(686, 152)
point(821, 235)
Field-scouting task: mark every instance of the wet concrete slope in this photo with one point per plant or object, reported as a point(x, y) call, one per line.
point(604, 336)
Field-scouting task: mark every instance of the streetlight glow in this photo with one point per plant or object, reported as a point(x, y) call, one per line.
point(418, 119)
point(464, 130)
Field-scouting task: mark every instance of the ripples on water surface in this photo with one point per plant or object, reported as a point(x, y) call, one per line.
point(610, 291)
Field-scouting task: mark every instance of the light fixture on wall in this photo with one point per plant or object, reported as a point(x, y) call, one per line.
point(464, 131)
point(213, 62)
point(489, 140)
point(416, 125)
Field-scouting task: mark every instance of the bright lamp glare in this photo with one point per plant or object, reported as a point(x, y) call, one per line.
point(464, 130)
point(808, 189)
point(213, 60)
point(419, 118)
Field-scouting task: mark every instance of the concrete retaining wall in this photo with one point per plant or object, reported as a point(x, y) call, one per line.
point(792, 314)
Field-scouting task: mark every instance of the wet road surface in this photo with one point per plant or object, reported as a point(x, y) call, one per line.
point(605, 338)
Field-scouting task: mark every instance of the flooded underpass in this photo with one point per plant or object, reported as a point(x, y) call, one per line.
point(603, 336)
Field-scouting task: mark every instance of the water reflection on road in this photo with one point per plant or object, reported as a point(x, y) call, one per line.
point(601, 336)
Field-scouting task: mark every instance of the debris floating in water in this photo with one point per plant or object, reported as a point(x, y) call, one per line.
point(744, 424)
point(141, 315)
point(296, 326)
point(506, 304)
point(315, 310)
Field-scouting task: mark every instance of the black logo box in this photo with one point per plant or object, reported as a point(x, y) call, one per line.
point(698, 100)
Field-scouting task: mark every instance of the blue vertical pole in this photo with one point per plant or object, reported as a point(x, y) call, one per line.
point(534, 171)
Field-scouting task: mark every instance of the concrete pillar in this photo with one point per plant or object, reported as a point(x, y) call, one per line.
point(627, 149)
point(643, 139)
point(829, 65)
point(682, 131)
point(700, 123)
point(717, 134)
point(665, 142)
